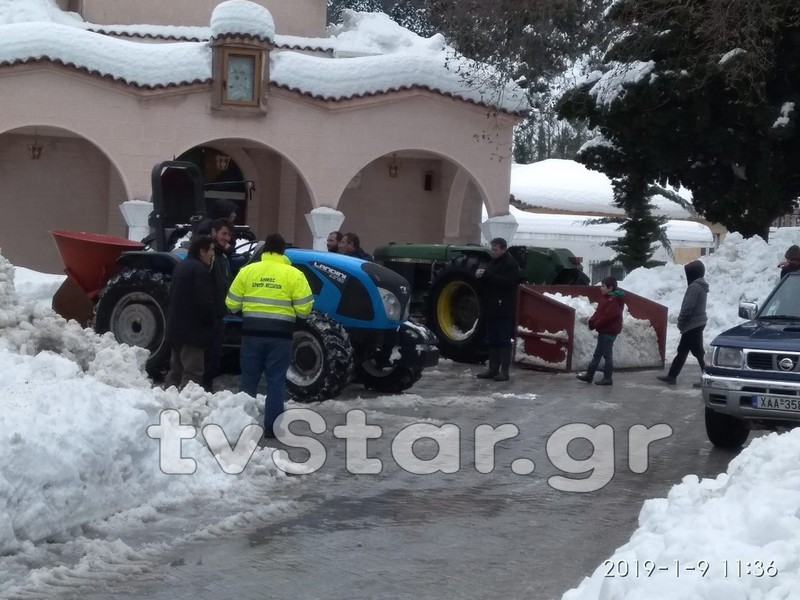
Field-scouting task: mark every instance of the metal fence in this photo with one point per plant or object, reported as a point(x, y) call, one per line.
point(600, 270)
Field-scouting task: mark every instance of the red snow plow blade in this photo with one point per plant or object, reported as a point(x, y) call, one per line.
point(90, 260)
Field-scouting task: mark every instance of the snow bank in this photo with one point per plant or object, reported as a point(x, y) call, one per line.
point(739, 270)
point(733, 537)
point(73, 429)
point(636, 346)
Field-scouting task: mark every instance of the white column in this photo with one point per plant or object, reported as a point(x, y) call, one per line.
point(503, 226)
point(137, 213)
point(322, 221)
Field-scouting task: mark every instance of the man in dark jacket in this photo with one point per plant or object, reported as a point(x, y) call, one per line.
point(334, 237)
point(499, 281)
point(350, 245)
point(190, 313)
point(221, 233)
point(691, 321)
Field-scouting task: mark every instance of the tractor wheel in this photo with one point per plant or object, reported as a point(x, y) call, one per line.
point(322, 360)
point(455, 311)
point(392, 379)
point(132, 306)
point(725, 431)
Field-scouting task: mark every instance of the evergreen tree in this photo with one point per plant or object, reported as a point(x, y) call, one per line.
point(702, 93)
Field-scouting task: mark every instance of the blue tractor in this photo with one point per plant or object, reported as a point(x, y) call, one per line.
point(359, 326)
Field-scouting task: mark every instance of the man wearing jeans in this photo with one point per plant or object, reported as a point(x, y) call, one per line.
point(272, 295)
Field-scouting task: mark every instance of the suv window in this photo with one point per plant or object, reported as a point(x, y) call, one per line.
point(785, 302)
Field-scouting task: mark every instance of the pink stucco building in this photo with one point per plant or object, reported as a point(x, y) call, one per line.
point(372, 122)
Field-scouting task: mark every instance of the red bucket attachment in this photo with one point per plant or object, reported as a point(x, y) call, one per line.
point(91, 258)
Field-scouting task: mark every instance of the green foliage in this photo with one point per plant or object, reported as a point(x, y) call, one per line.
point(411, 14)
point(532, 42)
point(414, 16)
point(711, 109)
point(335, 7)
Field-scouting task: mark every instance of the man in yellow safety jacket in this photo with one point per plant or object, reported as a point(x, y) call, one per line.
point(272, 295)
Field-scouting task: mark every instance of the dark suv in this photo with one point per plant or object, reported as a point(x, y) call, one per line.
point(752, 380)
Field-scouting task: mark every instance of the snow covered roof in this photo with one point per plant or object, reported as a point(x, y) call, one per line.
point(680, 233)
point(143, 65)
point(569, 187)
point(239, 17)
point(383, 56)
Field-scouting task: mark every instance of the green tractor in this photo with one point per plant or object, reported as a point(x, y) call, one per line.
point(445, 293)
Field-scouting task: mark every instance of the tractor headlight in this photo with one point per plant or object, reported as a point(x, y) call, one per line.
point(729, 357)
point(391, 305)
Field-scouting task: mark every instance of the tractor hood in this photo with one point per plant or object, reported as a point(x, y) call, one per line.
point(387, 279)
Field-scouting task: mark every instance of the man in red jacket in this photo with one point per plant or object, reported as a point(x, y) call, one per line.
point(607, 320)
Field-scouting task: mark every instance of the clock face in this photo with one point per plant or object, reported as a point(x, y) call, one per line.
point(241, 78)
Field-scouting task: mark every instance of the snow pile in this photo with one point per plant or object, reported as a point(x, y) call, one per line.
point(736, 536)
point(388, 57)
point(368, 33)
point(25, 11)
point(739, 270)
point(74, 446)
point(32, 286)
point(240, 17)
point(636, 346)
point(32, 327)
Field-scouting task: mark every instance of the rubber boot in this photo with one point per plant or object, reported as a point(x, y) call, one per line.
point(494, 364)
point(505, 364)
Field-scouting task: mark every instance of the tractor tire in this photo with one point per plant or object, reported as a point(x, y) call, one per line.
point(455, 311)
point(390, 379)
point(322, 360)
point(725, 431)
point(133, 306)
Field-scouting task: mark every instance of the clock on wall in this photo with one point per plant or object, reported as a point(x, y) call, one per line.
point(241, 72)
point(240, 78)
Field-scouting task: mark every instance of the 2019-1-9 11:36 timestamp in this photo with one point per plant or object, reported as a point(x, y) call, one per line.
point(679, 568)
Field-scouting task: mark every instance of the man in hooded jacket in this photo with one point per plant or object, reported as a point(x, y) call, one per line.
point(691, 321)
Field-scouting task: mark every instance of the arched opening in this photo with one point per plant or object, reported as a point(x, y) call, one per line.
point(52, 178)
point(404, 196)
point(223, 182)
point(267, 189)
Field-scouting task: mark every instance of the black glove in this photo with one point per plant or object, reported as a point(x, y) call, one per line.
point(591, 326)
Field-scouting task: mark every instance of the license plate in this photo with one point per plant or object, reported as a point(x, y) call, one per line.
point(776, 403)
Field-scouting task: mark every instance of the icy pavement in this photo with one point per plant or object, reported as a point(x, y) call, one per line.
point(397, 534)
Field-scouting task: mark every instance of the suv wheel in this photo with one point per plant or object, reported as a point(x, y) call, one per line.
point(725, 431)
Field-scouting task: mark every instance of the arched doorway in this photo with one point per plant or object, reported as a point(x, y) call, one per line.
point(52, 178)
point(223, 181)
